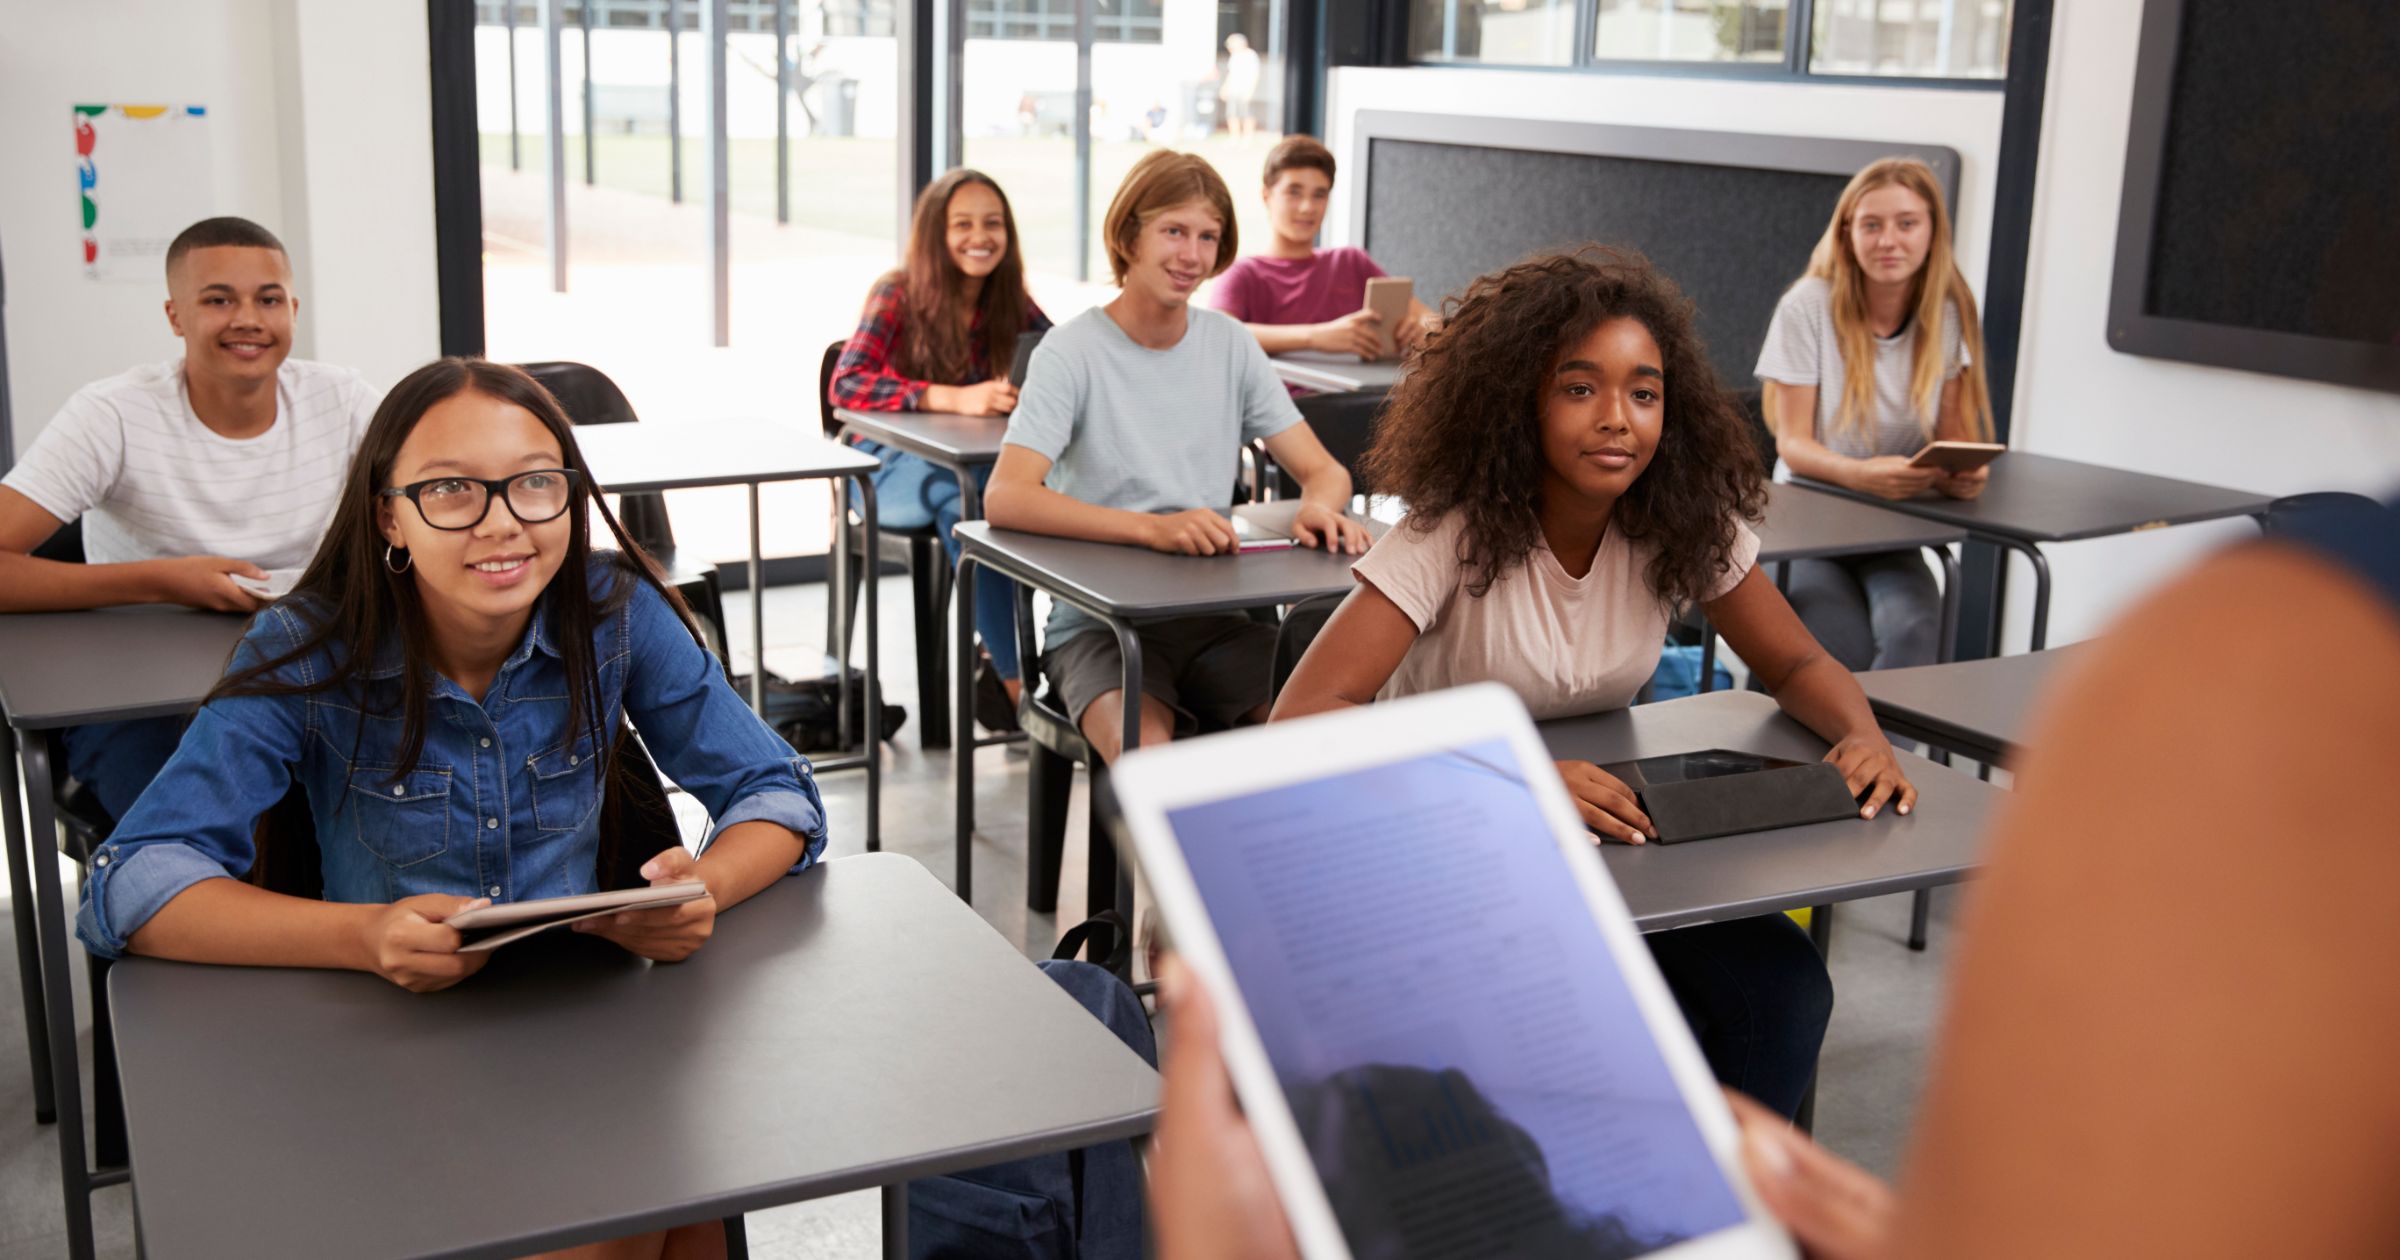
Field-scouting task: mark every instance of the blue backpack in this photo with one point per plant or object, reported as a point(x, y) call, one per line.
point(1077, 1205)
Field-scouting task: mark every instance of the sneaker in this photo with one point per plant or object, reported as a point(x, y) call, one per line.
point(993, 709)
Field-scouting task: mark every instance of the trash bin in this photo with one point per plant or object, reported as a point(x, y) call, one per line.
point(837, 103)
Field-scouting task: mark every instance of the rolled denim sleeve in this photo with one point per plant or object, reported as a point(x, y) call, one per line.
point(194, 821)
point(706, 738)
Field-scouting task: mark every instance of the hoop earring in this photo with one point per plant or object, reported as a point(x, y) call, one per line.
point(407, 563)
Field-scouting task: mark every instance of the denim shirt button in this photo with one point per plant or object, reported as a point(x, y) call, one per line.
point(574, 760)
point(495, 890)
point(487, 741)
point(398, 790)
point(491, 824)
point(100, 859)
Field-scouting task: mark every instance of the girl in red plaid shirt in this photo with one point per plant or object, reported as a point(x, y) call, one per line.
point(938, 334)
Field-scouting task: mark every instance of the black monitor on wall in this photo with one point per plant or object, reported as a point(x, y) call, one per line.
point(2260, 223)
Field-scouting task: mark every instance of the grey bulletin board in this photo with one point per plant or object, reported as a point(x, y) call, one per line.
point(1731, 216)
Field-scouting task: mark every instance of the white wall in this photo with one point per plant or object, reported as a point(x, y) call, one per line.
point(2079, 399)
point(318, 110)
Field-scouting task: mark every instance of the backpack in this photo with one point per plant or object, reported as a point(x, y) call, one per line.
point(1073, 1205)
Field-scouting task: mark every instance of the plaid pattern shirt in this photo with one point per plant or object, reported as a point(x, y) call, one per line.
point(864, 379)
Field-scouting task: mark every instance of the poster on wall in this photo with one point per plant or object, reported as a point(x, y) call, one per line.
point(144, 175)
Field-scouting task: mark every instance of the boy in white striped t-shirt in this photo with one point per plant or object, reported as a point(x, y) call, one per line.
point(226, 461)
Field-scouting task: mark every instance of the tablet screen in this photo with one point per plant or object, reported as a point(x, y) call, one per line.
point(1466, 1064)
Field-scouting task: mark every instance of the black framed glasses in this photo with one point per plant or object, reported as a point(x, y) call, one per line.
point(542, 494)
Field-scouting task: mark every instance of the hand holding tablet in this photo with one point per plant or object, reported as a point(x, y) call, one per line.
point(1435, 1009)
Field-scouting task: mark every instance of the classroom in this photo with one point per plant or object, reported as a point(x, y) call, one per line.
point(1322, 628)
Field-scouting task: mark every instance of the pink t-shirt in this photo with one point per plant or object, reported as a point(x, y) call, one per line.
point(1564, 645)
point(1325, 286)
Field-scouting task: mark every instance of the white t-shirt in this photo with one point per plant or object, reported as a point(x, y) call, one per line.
point(1801, 349)
point(150, 481)
point(1564, 645)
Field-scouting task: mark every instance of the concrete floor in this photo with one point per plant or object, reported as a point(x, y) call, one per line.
point(1873, 1064)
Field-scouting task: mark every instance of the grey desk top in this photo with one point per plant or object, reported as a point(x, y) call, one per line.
point(1731, 877)
point(636, 458)
point(1124, 581)
point(949, 440)
point(1971, 707)
point(1804, 523)
point(1334, 373)
point(855, 1025)
point(2042, 498)
point(111, 665)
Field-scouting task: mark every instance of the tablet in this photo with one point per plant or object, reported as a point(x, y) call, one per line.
point(1957, 457)
point(1268, 526)
point(490, 927)
point(1440, 1019)
point(1389, 297)
point(1722, 792)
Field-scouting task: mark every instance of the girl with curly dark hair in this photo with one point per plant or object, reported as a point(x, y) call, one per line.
point(1573, 474)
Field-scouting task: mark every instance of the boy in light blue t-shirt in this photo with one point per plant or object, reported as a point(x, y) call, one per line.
point(1129, 429)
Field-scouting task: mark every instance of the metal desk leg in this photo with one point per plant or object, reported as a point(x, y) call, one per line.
point(58, 995)
point(1820, 930)
point(895, 1221)
point(1948, 648)
point(1920, 915)
point(758, 613)
point(962, 723)
point(873, 750)
point(1708, 656)
point(1129, 647)
point(21, 911)
point(2041, 590)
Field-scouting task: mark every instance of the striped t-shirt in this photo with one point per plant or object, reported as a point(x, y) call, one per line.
point(1802, 350)
point(150, 481)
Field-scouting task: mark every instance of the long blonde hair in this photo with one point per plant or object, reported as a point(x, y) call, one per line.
point(1939, 288)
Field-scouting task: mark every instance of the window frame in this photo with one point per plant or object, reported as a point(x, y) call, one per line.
point(1801, 18)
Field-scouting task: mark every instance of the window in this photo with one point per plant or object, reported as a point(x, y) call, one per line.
point(1954, 40)
point(1501, 32)
point(1113, 21)
point(1940, 39)
point(1690, 30)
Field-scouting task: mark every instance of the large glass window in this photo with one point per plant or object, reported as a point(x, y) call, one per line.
point(1690, 30)
point(1504, 32)
point(1941, 39)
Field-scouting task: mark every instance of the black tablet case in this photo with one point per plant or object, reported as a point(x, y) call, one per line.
point(1703, 809)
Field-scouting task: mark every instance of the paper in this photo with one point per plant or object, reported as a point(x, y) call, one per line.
point(143, 175)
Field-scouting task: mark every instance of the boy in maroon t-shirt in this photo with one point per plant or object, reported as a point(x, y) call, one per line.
point(1296, 296)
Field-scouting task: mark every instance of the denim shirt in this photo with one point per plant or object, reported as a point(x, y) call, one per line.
point(503, 801)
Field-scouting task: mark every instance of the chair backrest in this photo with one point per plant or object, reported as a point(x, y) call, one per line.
point(1299, 628)
point(1023, 358)
point(587, 396)
point(1345, 423)
point(833, 358)
point(1753, 403)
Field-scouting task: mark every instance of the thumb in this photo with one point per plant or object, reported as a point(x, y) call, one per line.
point(1838, 1211)
point(436, 912)
point(669, 866)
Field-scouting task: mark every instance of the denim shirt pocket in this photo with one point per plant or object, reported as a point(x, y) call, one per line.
point(402, 819)
point(566, 786)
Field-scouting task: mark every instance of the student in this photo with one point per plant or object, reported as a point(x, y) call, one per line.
point(445, 684)
point(1296, 296)
point(1874, 353)
point(1130, 430)
point(1573, 474)
point(939, 334)
point(2117, 1073)
point(186, 473)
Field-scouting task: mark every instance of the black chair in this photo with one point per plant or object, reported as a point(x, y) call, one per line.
point(929, 580)
point(587, 396)
point(1345, 423)
point(1055, 746)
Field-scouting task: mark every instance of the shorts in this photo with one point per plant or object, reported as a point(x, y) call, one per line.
point(1210, 670)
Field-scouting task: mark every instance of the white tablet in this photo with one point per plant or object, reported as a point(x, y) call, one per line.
point(1438, 1014)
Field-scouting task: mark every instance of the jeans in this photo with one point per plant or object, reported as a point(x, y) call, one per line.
point(1757, 996)
point(911, 493)
point(116, 760)
point(1871, 612)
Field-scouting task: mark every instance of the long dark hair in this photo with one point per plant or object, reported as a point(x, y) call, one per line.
point(1463, 430)
point(356, 605)
point(937, 344)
